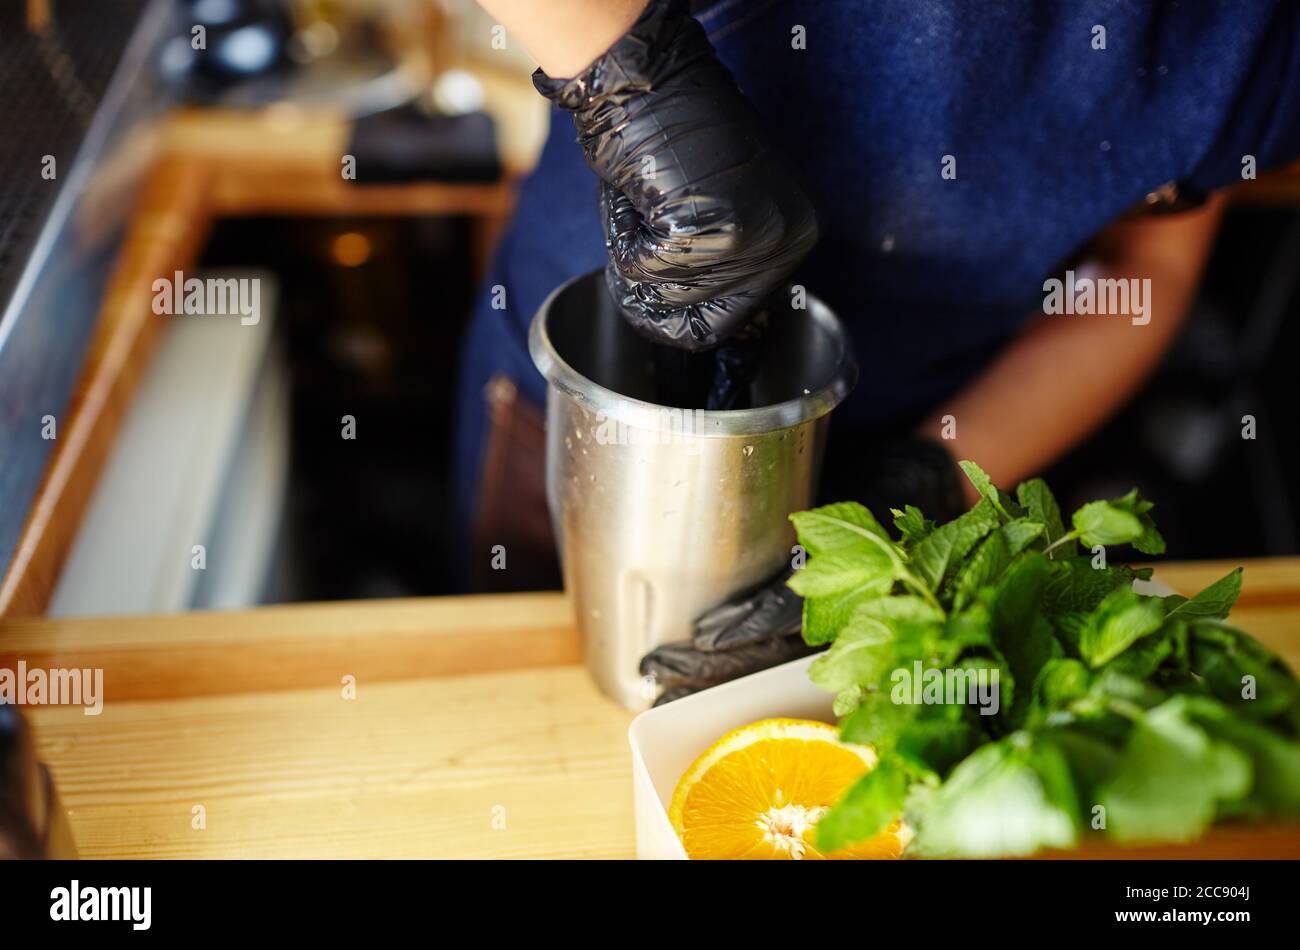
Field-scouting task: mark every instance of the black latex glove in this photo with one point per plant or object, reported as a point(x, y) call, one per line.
point(762, 628)
point(735, 364)
point(702, 218)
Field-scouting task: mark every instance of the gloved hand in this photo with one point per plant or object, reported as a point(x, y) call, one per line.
point(702, 219)
point(762, 628)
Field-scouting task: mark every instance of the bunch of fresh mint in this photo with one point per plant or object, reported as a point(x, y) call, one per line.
point(1129, 716)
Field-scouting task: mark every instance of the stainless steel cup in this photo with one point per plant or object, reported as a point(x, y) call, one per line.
point(662, 512)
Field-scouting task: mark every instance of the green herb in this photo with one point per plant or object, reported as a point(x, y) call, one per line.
point(1021, 694)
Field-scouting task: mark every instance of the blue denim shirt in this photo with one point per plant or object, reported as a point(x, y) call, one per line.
point(1050, 135)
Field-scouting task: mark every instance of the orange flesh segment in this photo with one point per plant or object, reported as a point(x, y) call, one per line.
point(762, 800)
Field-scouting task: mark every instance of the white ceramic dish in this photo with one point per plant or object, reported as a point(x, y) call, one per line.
point(667, 739)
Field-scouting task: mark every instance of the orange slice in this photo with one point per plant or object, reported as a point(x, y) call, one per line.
point(759, 791)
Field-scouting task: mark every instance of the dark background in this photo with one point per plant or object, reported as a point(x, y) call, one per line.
point(1180, 439)
point(378, 341)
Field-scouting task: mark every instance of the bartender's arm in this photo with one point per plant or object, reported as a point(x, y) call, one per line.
point(1065, 374)
point(565, 36)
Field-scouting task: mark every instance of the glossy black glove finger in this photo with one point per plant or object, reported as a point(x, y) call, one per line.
point(737, 363)
point(736, 360)
point(677, 692)
point(693, 327)
point(703, 219)
point(772, 611)
point(912, 471)
point(681, 664)
point(653, 307)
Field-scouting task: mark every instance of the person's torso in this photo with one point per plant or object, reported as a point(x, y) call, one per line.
point(956, 153)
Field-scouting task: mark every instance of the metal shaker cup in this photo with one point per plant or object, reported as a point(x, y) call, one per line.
point(661, 512)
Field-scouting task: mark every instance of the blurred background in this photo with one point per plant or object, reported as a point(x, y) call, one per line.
point(225, 160)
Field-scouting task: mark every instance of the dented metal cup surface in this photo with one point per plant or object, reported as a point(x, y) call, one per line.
point(661, 512)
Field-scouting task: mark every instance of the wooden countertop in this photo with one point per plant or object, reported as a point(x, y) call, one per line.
point(475, 731)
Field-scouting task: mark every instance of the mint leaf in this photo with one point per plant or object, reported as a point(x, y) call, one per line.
point(1020, 533)
point(1075, 586)
point(1020, 631)
point(973, 626)
point(949, 543)
point(1275, 762)
point(980, 569)
point(1100, 522)
point(1116, 624)
point(861, 653)
point(866, 647)
point(1014, 796)
point(1113, 684)
point(1019, 595)
point(1225, 658)
point(824, 617)
point(911, 524)
point(1092, 758)
point(852, 560)
point(1145, 656)
point(1061, 681)
point(843, 528)
point(831, 574)
point(984, 485)
point(867, 808)
point(1119, 521)
point(1038, 501)
point(1171, 777)
point(904, 609)
point(937, 738)
point(878, 720)
point(1150, 540)
point(1215, 601)
point(847, 701)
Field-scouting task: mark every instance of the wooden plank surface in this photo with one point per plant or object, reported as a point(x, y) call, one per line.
point(207, 653)
point(475, 732)
point(523, 764)
point(243, 713)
